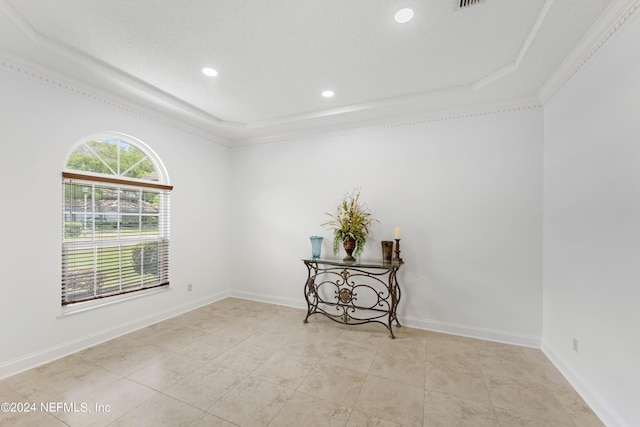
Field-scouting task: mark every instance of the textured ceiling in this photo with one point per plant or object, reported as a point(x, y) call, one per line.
point(274, 57)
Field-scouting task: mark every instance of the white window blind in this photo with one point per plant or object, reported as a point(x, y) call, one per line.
point(115, 236)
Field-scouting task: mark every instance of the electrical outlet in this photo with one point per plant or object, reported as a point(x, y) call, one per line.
point(575, 345)
point(189, 287)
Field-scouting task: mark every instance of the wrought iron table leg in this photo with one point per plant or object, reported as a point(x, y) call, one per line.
point(309, 290)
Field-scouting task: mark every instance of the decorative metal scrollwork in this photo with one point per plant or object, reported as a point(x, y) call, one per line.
point(345, 296)
point(311, 286)
point(353, 294)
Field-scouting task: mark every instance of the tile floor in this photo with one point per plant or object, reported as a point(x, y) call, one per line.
point(244, 363)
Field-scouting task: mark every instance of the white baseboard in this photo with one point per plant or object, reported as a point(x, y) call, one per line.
point(426, 324)
point(13, 367)
point(287, 302)
point(486, 334)
point(592, 398)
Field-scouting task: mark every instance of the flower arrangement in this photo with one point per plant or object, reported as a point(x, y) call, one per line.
point(350, 223)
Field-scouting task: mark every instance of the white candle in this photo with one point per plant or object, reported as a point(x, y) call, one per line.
point(396, 232)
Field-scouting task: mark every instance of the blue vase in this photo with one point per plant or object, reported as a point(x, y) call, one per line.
point(316, 246)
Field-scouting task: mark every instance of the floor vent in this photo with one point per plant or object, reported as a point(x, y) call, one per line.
point(465, 3)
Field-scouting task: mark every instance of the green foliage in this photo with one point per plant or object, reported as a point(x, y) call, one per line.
point(82, 159)
point(72, 229)
point(145, 258)
point(352, 219)
point(101, 156)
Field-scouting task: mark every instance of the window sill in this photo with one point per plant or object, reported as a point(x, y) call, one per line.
point(81, 307)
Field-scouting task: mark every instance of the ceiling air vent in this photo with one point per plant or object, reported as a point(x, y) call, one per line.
point(465, 3)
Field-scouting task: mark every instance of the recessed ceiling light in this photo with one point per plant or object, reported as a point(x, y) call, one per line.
point(207, 71)
point(404, 15)
point(327, 93)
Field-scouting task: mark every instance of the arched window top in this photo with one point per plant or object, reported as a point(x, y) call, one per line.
point(118, 156)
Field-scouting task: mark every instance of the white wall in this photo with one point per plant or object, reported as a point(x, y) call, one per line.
point(592, 230)
point(40, 124)
point(467, 194)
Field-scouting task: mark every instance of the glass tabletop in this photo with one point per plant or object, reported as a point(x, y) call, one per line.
point(356, 263)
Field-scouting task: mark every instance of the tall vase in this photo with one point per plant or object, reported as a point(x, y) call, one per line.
point(387, 250)
point(316, 246)
point(349, 245)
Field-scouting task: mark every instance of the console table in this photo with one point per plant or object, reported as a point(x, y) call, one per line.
point(353, 292)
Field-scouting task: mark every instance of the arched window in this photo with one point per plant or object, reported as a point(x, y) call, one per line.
point(115, 219)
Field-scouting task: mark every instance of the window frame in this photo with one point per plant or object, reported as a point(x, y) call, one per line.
point(101, 182)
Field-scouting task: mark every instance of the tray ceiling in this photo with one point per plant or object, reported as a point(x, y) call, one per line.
point(274, 58)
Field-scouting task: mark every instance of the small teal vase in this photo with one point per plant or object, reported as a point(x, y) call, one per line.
point(316, 246)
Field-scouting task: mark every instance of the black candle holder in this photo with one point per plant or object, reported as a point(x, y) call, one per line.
point(397, 258)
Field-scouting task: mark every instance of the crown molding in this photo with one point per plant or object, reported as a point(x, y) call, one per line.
point(93, 63)
point(190, 120)
point(12, 63)
point(615, 18)
point(222, 131)
point(52, 78)
point(465, 112)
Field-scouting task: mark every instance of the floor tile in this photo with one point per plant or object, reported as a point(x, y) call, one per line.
point(453, 351)
point(195, 319)
point(406, 344)
point(178, 339)
point(270, 338)
point(526, 398)
point(308, 346)
point(461, 383)
point(211, 346)
point(360, 419)
point(123, 355)
point(30, 419)
point(7, 394)
point(252, 402)
point(205, 386)
point(150, 334)
point(578, 411)
point(399, 368)
point(168, 369)
point(512, 419)
point(64, 380)
point(244, 357)
point(208, 420)
point(398, 402)
point(286, 370)
point(159, 411)
point(304, 410)
point(349, 355)
point(335, 384)
point(239, 328)
point(319, 327)
point(363, 335)
point(508, 361)
point(549, 374)
point(441, 410)
point(22, 412)
point(244, 363)
point(109, 403)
